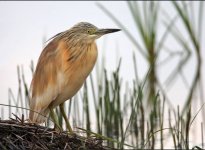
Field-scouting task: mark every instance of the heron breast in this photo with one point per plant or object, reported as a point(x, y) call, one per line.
point(76, 73)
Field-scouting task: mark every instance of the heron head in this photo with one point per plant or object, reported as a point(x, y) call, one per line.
point(89, 32)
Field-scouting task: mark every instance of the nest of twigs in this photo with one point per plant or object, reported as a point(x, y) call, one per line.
point(18, 134)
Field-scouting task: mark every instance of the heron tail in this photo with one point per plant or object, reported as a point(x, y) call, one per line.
point(38, 116)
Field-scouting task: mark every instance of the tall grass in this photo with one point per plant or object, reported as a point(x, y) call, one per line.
point(134, 117)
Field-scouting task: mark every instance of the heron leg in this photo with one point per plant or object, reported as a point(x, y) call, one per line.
point(55, 119)
point(68, 126)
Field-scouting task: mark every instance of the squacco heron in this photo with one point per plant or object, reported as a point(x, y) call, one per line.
point(62, 68)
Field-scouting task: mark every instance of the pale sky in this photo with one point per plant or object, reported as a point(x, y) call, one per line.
point(23, 25)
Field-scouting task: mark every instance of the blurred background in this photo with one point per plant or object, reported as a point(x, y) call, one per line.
point(148, 77)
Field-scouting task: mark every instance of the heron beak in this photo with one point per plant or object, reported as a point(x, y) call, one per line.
point(106, 31)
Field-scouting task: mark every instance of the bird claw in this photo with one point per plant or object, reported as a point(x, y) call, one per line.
point(57, 128)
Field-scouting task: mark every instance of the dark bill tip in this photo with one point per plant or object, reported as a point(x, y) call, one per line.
point(106, 31)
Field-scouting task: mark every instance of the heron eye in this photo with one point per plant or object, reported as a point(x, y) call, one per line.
point(90, 31)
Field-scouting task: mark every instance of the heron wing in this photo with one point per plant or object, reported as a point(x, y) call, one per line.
point(44, 86)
